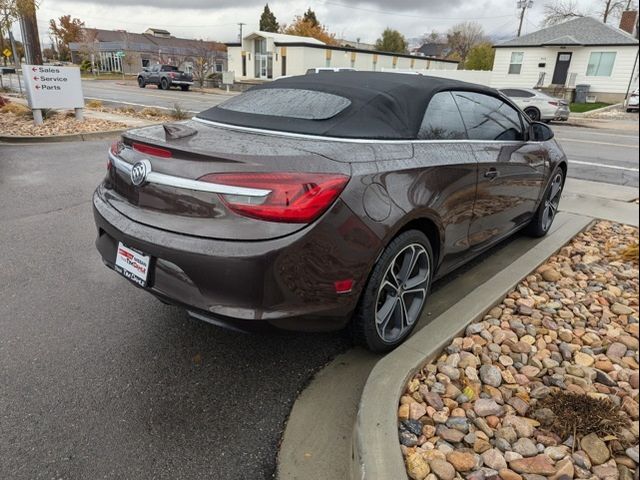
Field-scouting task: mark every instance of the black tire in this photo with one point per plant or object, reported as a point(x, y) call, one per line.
point(184, 88)
point(540, 223)
point(141, 82)
point(533, 114)
point(164, 84)
point(365, 326)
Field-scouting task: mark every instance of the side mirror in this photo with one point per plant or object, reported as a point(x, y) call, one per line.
point(540, 132)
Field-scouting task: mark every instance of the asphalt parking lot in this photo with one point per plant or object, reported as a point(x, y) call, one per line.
point(100, 380)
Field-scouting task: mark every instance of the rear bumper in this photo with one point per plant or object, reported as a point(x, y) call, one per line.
point(562, 114)
point(181, 82)
point(285, 282)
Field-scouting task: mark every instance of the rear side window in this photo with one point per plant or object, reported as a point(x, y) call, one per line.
point(288, 102)
point(489, 118)
point(169, 68)
point(442, 120)
point(513, 93)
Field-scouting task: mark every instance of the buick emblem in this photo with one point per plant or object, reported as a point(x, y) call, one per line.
point(139, 172)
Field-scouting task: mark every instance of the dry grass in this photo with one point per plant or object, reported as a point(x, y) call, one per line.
point(16, 109)
point(580, 415)
point(630, 253)
point(152, 112)
point(94, 104)
point(178, 113)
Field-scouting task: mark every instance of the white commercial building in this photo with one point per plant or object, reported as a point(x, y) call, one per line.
point(267, 56)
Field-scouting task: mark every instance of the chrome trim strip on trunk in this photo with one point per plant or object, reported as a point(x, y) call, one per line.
point(188, 184)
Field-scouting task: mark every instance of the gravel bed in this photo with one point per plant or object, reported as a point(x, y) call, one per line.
point(546, 385)
point(58, 124)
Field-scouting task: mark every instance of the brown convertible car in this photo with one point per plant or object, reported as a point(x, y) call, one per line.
point(327, 200)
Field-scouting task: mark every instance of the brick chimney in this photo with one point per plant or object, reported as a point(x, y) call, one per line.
point(628, 21)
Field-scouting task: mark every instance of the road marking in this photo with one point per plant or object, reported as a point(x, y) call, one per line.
point(577, 140)
point(603, 165)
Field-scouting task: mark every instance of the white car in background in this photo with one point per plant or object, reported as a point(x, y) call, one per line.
point(632, 101)
point(539, 106)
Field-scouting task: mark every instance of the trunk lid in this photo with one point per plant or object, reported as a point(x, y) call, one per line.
point(208, 150)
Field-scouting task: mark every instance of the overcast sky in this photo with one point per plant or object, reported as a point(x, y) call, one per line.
point(218, 19)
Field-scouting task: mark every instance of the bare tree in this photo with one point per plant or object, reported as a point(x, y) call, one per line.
point(461, 38)
point(612, 8)
point(90, 48)
point(563, 10)
point(204, 56)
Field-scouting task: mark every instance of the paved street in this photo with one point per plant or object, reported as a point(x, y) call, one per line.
point(130, 94)
point(601, 155)
point(99, 379)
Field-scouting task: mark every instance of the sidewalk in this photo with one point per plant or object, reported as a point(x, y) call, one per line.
point(317, 440)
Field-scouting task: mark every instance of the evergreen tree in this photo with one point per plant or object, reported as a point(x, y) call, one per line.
point(310, 16)
point(268, 22)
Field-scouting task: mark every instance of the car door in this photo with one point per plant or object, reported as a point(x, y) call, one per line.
point(445, 184)
point(511, 170)
point(154, 74)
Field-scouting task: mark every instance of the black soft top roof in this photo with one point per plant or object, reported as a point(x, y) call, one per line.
point(382, 105)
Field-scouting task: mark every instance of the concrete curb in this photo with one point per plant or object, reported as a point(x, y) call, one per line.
point(375, 450)
point(590, 113)
point(73, 137)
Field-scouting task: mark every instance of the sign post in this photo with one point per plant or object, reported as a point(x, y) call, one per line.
point(120, 55)
point(53, 87)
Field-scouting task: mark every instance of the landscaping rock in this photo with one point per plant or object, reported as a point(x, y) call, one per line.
point(595, 448)
point(461, 461)
point(484, 410)
point(539, 465)
point(417, 467)
point(442, 469)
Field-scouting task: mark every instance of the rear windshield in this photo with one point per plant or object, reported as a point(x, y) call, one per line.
point(169, 68)
point(288, 102)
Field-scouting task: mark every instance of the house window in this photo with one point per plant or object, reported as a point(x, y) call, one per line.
point(515, 65)
point(601, 64)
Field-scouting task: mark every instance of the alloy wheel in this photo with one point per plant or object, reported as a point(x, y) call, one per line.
point(402, 292)
point(533, 114)
point(552, 201)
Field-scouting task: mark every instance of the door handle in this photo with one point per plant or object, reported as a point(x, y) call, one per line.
point(491, 174)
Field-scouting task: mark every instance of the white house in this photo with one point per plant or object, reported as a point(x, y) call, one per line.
point(581, 51)
point(267, 56)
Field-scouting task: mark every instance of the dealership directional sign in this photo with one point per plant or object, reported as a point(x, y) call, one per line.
point(53, 87)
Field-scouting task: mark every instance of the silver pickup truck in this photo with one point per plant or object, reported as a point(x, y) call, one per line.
point(165, 77)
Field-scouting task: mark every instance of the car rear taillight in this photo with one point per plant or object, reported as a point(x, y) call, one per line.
point(293, 197)
point(555, 104)
point(151, 150)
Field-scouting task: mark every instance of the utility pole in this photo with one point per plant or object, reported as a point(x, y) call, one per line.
point(522, 6)
point(30, 37)
point(240, 24)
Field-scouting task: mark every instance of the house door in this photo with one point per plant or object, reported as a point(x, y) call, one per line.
point(562, 68)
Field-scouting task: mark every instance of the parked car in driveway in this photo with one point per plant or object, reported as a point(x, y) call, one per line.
point(321, 201)
point(538, 105)
point(631, 103)
point(165, 77)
